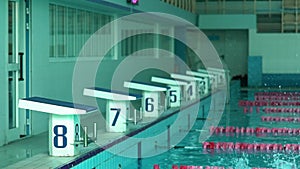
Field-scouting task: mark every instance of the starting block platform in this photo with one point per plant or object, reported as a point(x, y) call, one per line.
point(196, 86)
point(117, 107)
point(210, 79)
point(219, 73)
point(154, 99)
point(175, 92)
point(64, 122)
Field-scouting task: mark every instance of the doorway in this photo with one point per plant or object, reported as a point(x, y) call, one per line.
point(232, 46)
point(16, 118)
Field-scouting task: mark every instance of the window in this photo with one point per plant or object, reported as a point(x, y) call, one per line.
point(144, 39)
point(135, 43)
point(70, 28)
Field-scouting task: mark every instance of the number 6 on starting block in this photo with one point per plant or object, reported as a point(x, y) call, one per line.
point(153, 102)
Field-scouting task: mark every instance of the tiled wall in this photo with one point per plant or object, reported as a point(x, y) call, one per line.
point(257, 78)
point(107, 159)
point(254, 70)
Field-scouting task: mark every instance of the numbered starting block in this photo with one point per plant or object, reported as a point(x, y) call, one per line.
point(212, 77)
point(208, 80)
point(154, 98)
point(221, 75)
point(175, 93)
point(64, 123)
point(195, 86)
point(117, 107)
point(223, 79)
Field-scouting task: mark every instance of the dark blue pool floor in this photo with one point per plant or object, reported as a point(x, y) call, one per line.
point(232, 116)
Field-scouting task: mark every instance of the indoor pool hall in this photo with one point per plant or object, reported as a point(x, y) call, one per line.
point(150, 84)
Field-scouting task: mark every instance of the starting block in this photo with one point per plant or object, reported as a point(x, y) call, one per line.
point(194, 87)
point(175, 93)
point(221, 74)
point(223, 77)
point(153, 102)
point(64, 123)
point(212, 77)
point(208, 80)
point(117, 107)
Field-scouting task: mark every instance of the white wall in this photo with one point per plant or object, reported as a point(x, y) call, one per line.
point(42, 83)
point(280, 51)
point(232, 31)
point(53, 78)
point(227, 21)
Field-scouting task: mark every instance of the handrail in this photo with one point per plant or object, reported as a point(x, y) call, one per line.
point(240, 7)
point(188, 5)
point(21, 54)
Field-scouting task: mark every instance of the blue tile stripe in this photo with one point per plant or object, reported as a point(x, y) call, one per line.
point(61, 103)
point(254, 71)
point(92, 153)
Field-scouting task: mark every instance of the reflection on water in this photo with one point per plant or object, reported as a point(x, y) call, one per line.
point(233, 116)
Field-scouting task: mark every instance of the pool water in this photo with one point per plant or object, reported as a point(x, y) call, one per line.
point(232, 116)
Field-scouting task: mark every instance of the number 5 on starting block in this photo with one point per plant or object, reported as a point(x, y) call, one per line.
point(175, 90)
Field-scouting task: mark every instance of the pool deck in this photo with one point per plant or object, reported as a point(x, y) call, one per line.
point(32, 152)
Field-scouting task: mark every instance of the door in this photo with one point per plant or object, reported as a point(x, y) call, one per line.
point(16, 84)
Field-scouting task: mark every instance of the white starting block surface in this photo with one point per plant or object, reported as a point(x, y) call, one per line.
point(64, 122)
point(219, 73)
point(214, 78)
point(207, 77)
point(224, 78)
point(109, 94)
point(174, 92)
point(193, 88)
point(117, 107)
point(153, 102)
point(206, 73)
point(203, 82)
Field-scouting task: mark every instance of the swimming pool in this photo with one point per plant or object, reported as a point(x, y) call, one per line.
point(190, 152)
point(119, 151)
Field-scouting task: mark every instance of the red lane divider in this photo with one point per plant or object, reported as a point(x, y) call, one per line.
point(281, 110)
point(248, 103)
point(266, 97)
point(280, 119)
point(244, 103)
point(156, 166)
point(250, 146)
point(282, 103)
point(277, 94)
point(257, 130)
point(250, 109)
